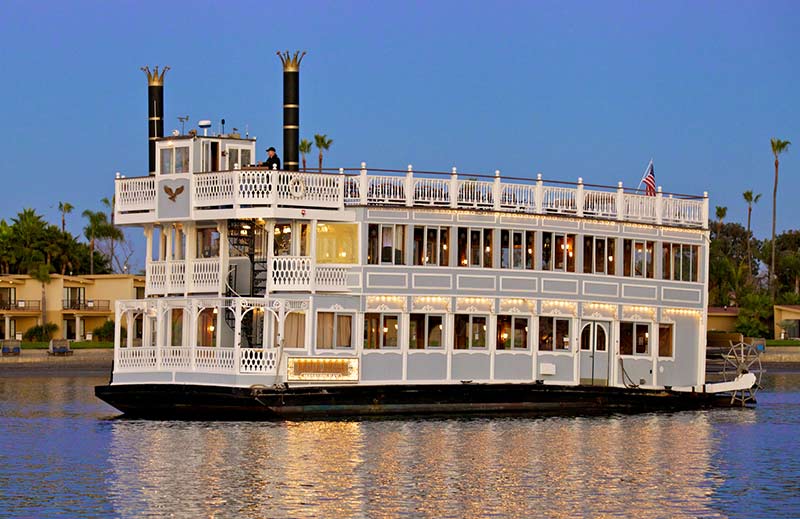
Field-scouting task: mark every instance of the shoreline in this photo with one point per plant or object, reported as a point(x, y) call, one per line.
point(96, 362)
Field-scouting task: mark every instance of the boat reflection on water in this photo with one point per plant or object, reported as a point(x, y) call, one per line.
point(648, 465)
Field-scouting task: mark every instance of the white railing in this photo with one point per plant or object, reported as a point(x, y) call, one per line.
point(156, 277)
point(204, 275)
point(135, 359)
point(258, 360)
point(331, 277)
point(640, 207)
point(214, 359)
point(432, 191)
point(176, 357)
point(252, 188)
point(166, 277)
point(136, 194)
point(559, 200)
point(290, 273)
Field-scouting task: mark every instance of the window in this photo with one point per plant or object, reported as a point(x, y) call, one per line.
point(207, 327)
point(474, 247)
point(470, 332)
point(558, 251)
point(238, 157)
point(554, 334)
point(680, 261)
point(665, 339)
point(386, 244)
point(638, 258)
point(336, 243)
point(294, 329)
point(425, 331)
point(381, 331)
point(634, 338)
point(334, 330)
point(176, 327)
point(207, 243)
point(175, 160)
point(598, 255)
point(516, 249)
point(512, 332)
point(431, 246)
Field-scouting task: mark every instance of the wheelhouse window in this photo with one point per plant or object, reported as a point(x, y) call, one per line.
point(517, 249)
point(680, 261)
point(381, 331)
point(638, 258)
point(469, 332)
point(512, 332)
point(238, 158)
point(554, 334)
point(425, 331)
point(474, 247)
point(598, 255)
point(431, 245)
point(665, 338)
point(334, 330)
point(207, 243)
point(207, 327)
point(558, 252)
point(634, 338)
point(386, 244)
point(175, 160)
point(336, 243)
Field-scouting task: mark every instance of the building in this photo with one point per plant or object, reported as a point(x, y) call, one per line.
point(77, 304)
point(722, 318)
point(787, 321)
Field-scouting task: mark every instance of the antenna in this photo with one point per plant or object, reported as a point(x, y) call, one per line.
point(183, 122)
point(205, 124)
point(223, 126)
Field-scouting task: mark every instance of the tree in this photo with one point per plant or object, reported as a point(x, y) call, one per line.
point(114, 234)
point(305, 148)
point(722, 212)
point(65, 208)
point(97, 227)
point(41, 273)
point(778, 147)
point(751, 199)
point(323, 143)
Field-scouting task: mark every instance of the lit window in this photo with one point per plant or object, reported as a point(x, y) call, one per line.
point(558, 252)
point(634, 338)
point(512, 332)
point(334, 330)
point(425, 331)
point(381, 330)
point(386, 244)
point(431, 246)
point(470, 332)
point(554, 334)
point(665, 339)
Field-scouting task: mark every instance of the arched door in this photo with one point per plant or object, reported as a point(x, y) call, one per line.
point(594, 347)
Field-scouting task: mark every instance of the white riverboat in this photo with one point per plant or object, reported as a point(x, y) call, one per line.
point(362, 290)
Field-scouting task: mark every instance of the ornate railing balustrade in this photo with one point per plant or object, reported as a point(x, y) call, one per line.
point(337, 190)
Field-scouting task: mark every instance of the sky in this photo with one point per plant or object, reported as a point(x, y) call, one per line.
point(569, 89)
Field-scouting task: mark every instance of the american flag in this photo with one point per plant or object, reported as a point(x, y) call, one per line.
point(649, 180)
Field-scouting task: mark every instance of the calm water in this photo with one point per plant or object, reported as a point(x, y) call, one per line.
point(64, 454)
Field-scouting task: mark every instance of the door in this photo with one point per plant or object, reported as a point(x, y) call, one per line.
point(594, 358)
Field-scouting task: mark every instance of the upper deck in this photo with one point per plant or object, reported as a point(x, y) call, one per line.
point(253, 192)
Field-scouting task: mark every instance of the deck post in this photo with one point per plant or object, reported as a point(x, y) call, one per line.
point(539, 194)
point(191, 337)
point(313, 259)
point(705, 211)
point(224, 264)
point(363, 184)
point(659, 211)
point(579, 205)
point(160, 335)
point(454, 188)
point(117, 331)
point(272, 179)
point(340, 189)
point(410, 186)
point(620, 202)
point(497, 190)
point(237, 327)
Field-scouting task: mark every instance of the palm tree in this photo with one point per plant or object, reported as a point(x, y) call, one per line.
point(778, 147)
point(722, 212)
point(41, 273)
point(751, 199)
point(323, 143)
point(114, 234)
point(65, 208)
point(98, 227)
point(305, 147)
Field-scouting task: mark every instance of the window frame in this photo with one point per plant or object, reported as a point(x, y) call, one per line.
point(631, 257)
point(426, 331)
point(528, 249)
point(609, 265)
point(554, 330)
point(484, 249)
point(513, 328)
point(172, 153)
point(676, 254)
point(336, 316)
point(566, 259)
point(442, 246)
point(381, 333)
point(671, 326)
point(469, 336)
point(648, 333)
point(394, 247)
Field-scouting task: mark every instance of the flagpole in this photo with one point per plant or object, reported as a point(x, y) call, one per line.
point(645, 174)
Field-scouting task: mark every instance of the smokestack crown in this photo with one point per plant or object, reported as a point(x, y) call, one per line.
point(291, 63)
point(154, 78)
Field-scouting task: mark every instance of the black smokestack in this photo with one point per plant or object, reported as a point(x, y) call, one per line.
point(155, 110)
point(291, 108)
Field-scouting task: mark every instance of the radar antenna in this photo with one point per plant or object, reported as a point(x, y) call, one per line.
point(183, 122)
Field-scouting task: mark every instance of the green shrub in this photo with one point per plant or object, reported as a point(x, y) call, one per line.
point(40, 333)
point(105, 332)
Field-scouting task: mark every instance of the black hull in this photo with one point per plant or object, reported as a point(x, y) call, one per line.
point(173, 401)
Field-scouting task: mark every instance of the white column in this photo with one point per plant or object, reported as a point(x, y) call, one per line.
point(313, 253)
point(491, 340)
point(454, 188)
point(705, 211)
point(128, 327)
point(162, 242)
point(620, 202)
point(270, 250)
point(340, 189)
point(497, 190)
point(659, 205)
point(148, 235)
point(117, 330)
point(190, 249)
point(539, 194)
point(7, 333)
point(579, 197)
point(191, 336)
point(237, 327)
point(410, 186)
point(161, 335)
point(78, 328)
point(363, 184)
point(224, 263)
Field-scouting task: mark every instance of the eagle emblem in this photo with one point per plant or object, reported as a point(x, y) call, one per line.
point(172, 194)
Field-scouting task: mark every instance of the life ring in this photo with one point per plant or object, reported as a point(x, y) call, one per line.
point(297, 188)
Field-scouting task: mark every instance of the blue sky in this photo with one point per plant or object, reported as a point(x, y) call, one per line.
point(569, 89)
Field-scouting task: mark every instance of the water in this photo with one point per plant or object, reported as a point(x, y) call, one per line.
point(65, 454)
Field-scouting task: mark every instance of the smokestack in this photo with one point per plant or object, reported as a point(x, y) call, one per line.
point(291, 109)
point(155, 110)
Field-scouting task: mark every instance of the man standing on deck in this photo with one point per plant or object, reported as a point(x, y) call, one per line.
point(273, 161)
